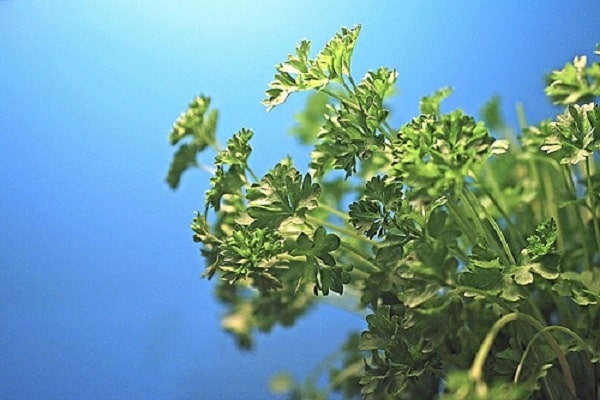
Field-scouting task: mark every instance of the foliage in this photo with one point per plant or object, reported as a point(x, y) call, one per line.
point(479, 263)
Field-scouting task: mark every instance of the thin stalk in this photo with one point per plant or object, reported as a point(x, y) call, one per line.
point(474, 216)
point(340, 229)
point(334, 211)
point(461, 220)
point(354, 252)
point(476, 370)
point(548, 204)
point(494, 195)
point(363, 259)
point(544, 332)
point(571, 188)
point(473, 208)
point(592, 200)
point(477, 207)
point(521, 116)
point(254, 176)
point(342, 99)
point(351, 80)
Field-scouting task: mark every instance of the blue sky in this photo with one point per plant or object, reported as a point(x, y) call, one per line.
point(100, 295)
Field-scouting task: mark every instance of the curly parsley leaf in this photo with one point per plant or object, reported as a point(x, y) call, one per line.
point(231, 165)
point(353, 131)
point(249, 252)
point(282, 194)
point(542, 241)
point(374, 213)
point(433, 154)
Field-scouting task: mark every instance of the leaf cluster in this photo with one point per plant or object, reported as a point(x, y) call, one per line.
point(476, 258)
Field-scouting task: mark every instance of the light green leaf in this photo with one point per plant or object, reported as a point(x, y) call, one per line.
point(300, 73)
point(431, 104)
point(198, 124)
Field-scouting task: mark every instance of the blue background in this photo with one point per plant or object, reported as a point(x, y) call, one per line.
point(100, 295)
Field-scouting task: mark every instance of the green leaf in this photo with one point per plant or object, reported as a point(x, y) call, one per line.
point(319, 246)
point(576, 134)
point(352, 132)
point(575, 83)
point(434, 154)
point(368, 218)
point(382, 330)
point(431, 104)
point(490, 280)
point(491, 113)
point(198, 124)
point(238, 150)
point(583, 288)
point(183, 159)
point(523, 276)
point(282, 194)
point(333, 278)
point(374, 213)
point(542, 241)
point(231, 165)
point(548, 266)
point(248, 252)
point(324, 278)
point(300, 73)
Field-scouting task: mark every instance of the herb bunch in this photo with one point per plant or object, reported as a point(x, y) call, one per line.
point(477, 258)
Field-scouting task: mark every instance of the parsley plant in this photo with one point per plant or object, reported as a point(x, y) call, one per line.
point(477, 260)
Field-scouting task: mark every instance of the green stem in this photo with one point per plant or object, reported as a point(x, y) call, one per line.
point(340, 229)
point(476, 370)
point(461, 220)
point(477, 206)
point(572, 190)
point(592, 200)
point(351, 80)
point(251, 172)
point(334, 211)
point(548, 206)
point(521, 117)
point(361, 257)
point(495, 196)
point(545, 332)
point(474, 209)
point(350, 233)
